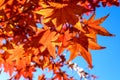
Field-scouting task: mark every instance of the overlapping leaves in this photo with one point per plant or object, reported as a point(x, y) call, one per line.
point(63, 28)
point(59, 14)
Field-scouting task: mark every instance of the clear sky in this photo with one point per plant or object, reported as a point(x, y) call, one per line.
point(107, 61)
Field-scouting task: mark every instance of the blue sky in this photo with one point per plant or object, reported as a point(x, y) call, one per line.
point(106, 62)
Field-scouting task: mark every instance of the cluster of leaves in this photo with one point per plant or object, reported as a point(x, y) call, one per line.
point(24, 46)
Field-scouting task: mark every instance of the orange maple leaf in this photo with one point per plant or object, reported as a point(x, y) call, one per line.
point(93, 26)
point(76, 48)
point(64, 40)
point(46, 40)
point(89, 41)
point(60, 14)
point(16, 53)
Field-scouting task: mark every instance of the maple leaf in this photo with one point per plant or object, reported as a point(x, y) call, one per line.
point(76, 48)
point(27, 43)
point(89, 41)
point(46, 41)
point(86, 55)
point(60, 14)
point(64, 40)
point(25, 61)
point(93, 26)
point(16, 53)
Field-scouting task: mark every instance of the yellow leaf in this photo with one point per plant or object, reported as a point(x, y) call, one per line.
point(43, 4)
point(4, 48)
point(1, 16)
point(57, 5)
point(44, 13)
point(79, 27)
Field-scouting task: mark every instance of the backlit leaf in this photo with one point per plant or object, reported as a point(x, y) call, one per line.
point(94, 26)
point(35, 33)
point(62, 13)
point(46, 40)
